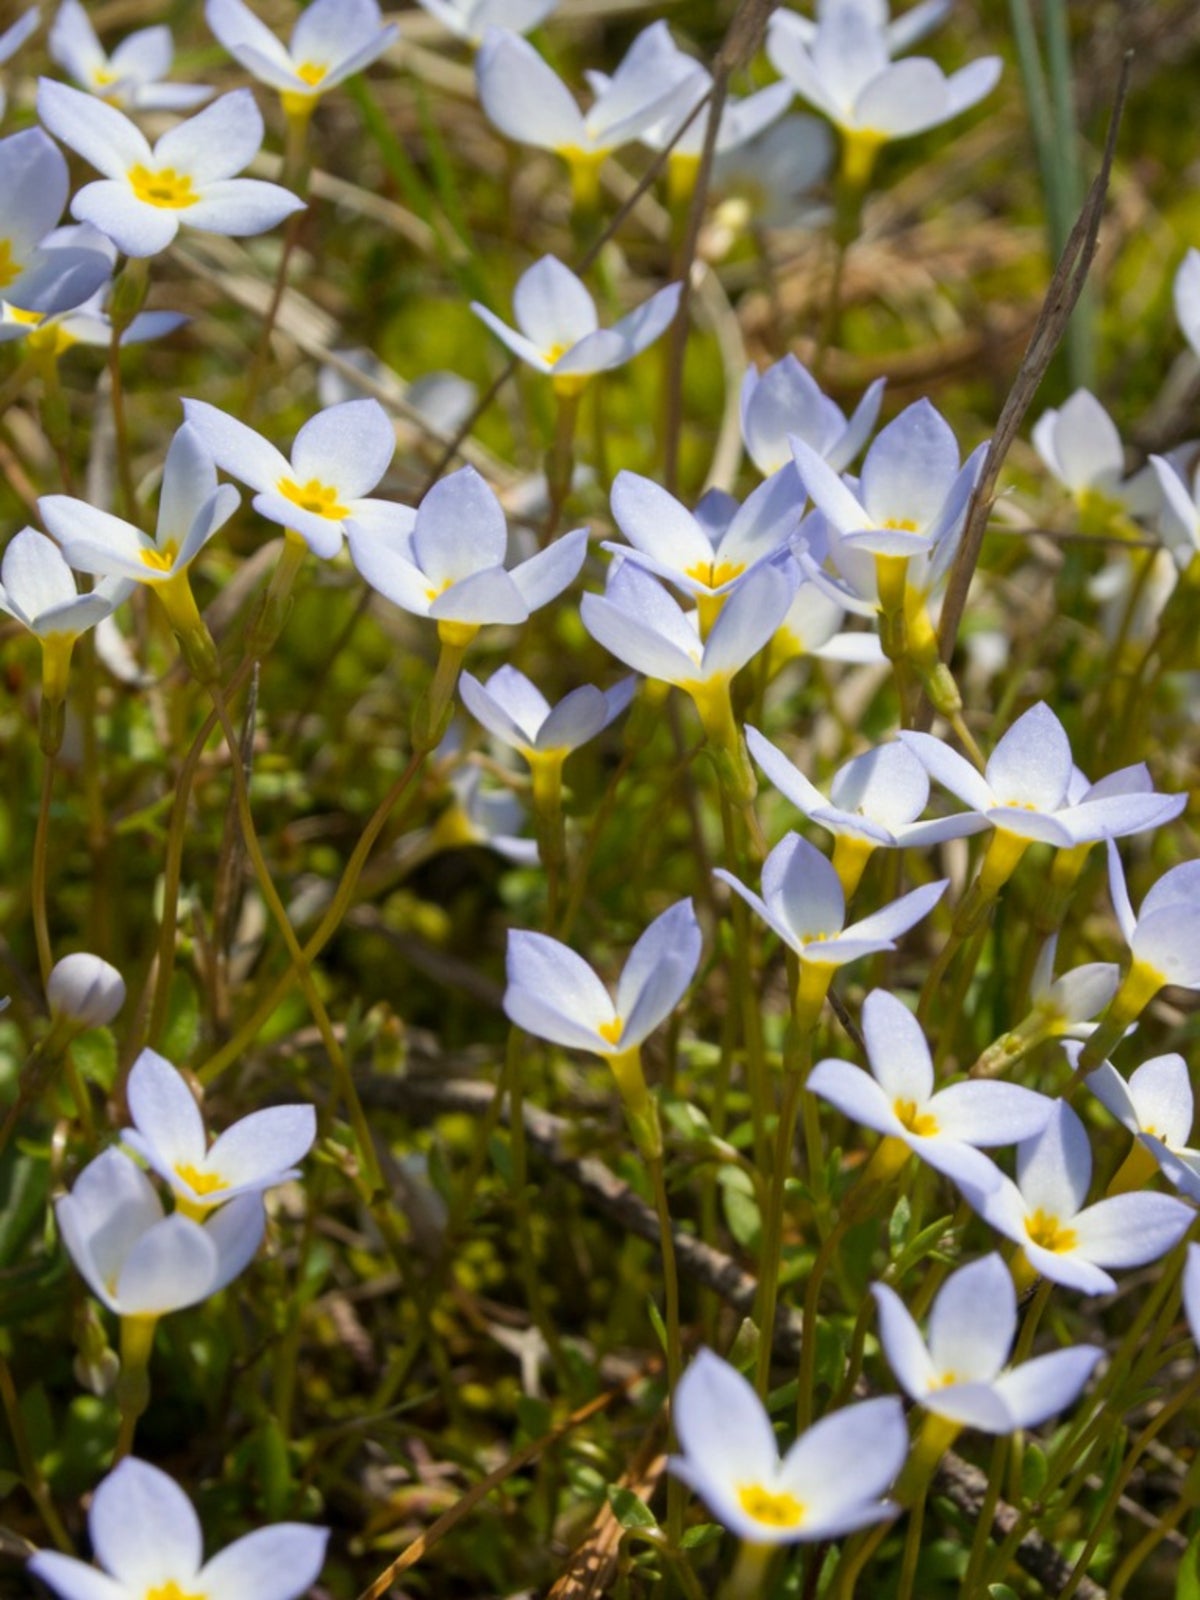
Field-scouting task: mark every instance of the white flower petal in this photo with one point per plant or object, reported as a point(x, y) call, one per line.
point(263, 1146)
point(543, 577)
point(543, 970)
point(74, 1580)
point(460, 528)
point(237, 449)
point(1041, 1388)
point(721, 1425)
point(276, 1563)
point(1054, 1168)
point(896, 1048)
point(902, 1343)
point(950, 769)
point(1031, 766)
point(134, 227)
point(973, 1321)
point(172, 1265)
point(135, 1498)
point(99, 133)
point(986, 1114)
point(525, 99)
point(802, 889)
point(236, 1232)
point(908, 471)
point(349, 446)
point(1130, 1229)
point(552, 306)
point(849, 1457)
point(240, 206)
point(215, 144)
point(164, 1111)
point(856, 1095)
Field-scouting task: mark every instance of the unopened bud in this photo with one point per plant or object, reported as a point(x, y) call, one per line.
point(85, 990)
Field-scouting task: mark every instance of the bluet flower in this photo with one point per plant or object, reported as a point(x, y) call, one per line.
point(529, 103)
point(38, 589)
point(829, 1483)
point(1157, 1106)
point(898, 33)
point(34, 184)
point(845, 70)
point(516, 712)
point(554, 994)
point(906, 520)
point(1079, 443)
point(705, 553)
point(149, 1544)
point(1061, 1236)
point(256, 1153)
point(338, 457)
point(962, 1372)
point(471, 19)
point(946, 1127)
point(787, 402)
point(131, 77)
point(449, 566)
point(188, 178)
point(1030, 788)
point(803, 902)
point(559, 329)
point(769, 180)
point(143, 1264)
point(331, 41)
point(874, 801)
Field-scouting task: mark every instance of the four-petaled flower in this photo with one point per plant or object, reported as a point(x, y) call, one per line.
point(787, 402)
point(1158, 1107)
point(944, 1127)
point(518, 713)
point(554, 994)
point(1046, 1214)
point(168, 1133)
point(332, 40)
point(38, 277)
point(962, 1373)
point(148, 1541)
point(449, 564)
point(189, 177)
point(143, 1264)
point(1031, 788)
point(829, 1483)
point(131, 77)
point(338, 457)
point(560, 333)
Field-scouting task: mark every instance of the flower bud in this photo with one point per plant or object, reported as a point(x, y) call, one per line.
point(85, 990)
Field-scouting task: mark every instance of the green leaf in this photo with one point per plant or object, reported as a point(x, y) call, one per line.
point(95, 1054)
point(1187, 1579)
point(742, 1215)
point(1034, 1471)
point(23, 1185)
point(656, 1322)
point(183, 1019)
point(703, 1533)
point(898, 1225)
point(629, 1510)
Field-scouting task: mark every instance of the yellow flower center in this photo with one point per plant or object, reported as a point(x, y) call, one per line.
point(10, 270)
point(102, 78)
point(774, 1508)
point(26, 319)
point(555, 352)
point(715, 573)
point(919, 1122)
point(1046, 1232)
point(432, 592)
point(167, 189)
point(161, 560)
point(317, 498)
point(312, 73)
point(943, 1380)
point(200, 1182)
point(1020, 805)
point(900, 524)
point(171, 1591)
point(611, 1032)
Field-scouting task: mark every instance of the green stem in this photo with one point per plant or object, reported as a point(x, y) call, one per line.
point(772, 1238)
point(27, 1462)
point(328, 926)
point(41, 924)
